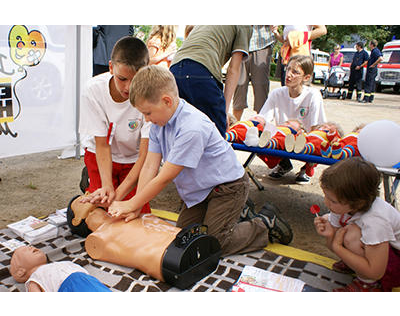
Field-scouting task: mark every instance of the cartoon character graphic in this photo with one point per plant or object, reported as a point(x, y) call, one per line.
point(26, 50)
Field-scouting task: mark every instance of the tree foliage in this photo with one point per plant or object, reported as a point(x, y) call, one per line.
point(350, 34)
point(142, 31)
point(336, 34)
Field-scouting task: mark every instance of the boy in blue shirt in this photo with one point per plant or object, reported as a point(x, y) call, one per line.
point(204, 167)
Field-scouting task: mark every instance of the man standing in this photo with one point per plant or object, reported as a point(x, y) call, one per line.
point(374, 59)
point(197, 68)
point(104, 39)
point(255, 69)
point(360, 59)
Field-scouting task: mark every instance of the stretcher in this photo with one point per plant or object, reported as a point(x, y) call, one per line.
point(390, 176)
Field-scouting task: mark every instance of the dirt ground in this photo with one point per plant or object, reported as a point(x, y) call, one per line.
point(38, 184)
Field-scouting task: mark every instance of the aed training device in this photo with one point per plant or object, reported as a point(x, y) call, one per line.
point(190, 257)
point(168, 253)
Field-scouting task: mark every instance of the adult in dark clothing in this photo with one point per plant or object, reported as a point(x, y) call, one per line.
point(104, 39)
point(360, 59)
point(372, 70)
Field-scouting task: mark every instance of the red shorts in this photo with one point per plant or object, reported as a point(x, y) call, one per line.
point(119, 173)
point(391, 278)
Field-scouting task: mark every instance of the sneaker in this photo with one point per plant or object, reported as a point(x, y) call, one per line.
point(248, 212)
point(367, 99)
point(279, 172)
point(360, 286)
point(279, 229)
point(302, 178)
point(84, 184)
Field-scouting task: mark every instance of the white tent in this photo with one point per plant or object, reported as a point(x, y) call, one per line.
point(42, 71)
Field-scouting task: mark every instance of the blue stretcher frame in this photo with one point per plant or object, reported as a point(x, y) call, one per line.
point(390, 176)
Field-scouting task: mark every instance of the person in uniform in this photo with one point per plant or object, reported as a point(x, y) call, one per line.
point(360, 59)
point(372, 70)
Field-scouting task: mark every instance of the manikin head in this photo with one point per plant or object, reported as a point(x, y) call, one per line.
point(331, 127)
point(24, 261)
point(295, 124)
point(258, 119)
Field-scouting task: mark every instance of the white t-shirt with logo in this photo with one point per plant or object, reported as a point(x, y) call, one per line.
point(308, 107)
point(99, 110)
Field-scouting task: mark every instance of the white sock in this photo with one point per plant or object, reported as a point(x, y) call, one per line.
point(366, 280)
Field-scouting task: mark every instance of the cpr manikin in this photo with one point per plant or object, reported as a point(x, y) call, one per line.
point(145, 243)
point(29, 264)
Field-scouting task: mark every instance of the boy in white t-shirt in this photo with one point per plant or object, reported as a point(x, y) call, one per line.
point(117, 134)
point(295, 101)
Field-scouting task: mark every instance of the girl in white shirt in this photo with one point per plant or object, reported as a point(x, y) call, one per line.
point(361, 229)
point(295, 101)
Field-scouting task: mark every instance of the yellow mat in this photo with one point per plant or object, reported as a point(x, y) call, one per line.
point(279, 249)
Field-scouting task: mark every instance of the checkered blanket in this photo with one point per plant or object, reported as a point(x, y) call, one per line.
point(122, 279)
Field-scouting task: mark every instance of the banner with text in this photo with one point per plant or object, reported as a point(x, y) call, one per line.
point(38, 87)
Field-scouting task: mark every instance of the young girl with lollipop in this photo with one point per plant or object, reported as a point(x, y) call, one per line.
point(361, 229)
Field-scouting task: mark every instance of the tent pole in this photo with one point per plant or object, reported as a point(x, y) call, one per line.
point(78, 91)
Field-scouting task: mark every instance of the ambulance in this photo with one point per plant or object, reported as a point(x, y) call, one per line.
point(389, 68)
point(321, 64)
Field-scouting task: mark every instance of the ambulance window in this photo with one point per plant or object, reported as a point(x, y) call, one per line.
point(391, 57)
point(323, 58)
point(348, 57)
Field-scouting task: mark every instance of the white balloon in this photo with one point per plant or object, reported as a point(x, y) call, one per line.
point(379, 143)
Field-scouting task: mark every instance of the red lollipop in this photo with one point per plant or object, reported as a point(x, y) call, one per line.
point(315, 209)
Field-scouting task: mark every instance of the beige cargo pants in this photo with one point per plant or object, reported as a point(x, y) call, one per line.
point(220, 211)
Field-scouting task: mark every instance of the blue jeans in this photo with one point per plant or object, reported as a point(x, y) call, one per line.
point(199, 87)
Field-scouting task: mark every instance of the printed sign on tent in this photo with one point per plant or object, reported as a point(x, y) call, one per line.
point(38, 87)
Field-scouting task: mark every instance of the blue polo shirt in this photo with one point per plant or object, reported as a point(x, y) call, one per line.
point(359, 58)
point(375, 54)
point(191, 140)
